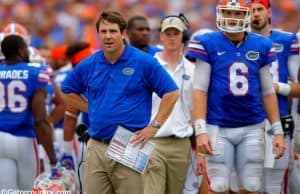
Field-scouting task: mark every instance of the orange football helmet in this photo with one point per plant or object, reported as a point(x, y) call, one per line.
point(225, 24)
point(18, 29)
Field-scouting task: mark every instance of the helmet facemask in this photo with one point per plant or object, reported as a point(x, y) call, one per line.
point(226, 24)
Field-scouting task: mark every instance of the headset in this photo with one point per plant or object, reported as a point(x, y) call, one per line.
point(185, 77)
point(181, 16)
point(185, 39)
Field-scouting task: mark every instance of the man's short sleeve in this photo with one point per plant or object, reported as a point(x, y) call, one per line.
point(76, 81)
point(158, 78)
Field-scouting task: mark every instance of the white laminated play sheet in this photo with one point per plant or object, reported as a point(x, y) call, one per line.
point(122, 150)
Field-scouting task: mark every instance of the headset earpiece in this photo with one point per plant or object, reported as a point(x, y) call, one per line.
point(185, 36)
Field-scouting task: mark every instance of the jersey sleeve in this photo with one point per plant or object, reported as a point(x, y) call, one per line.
point(294, 45)
point(270, 54)
point(196, 49)
point(40, 73)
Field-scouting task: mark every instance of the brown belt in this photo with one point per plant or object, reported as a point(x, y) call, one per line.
point(101, 140)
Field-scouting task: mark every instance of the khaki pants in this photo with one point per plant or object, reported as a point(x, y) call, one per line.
point(106, 176)
point(166, 175)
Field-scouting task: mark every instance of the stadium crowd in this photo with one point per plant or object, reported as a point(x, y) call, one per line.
point(63, 21)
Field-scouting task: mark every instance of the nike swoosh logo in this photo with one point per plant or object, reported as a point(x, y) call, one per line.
point(221, 53)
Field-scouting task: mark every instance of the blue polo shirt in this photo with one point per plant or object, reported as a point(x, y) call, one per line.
point(119, 93)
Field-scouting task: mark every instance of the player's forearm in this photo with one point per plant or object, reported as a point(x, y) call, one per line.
point(199, 111)
point(44, 137)
point(166, 106)
point(76, 101)
point(200, 104)
point(295, 90)
point(58, 113)
point(271, 107)
point(69, 128)
point(285, 89)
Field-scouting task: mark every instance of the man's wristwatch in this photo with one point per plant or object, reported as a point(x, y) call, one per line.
point(155, 124)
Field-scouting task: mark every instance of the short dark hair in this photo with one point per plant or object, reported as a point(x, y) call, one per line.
point(113, 17)
point(130, 23)
point(76, 47)
point(11, 46)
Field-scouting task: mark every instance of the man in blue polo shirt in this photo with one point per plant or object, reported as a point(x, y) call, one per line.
point(120, 81)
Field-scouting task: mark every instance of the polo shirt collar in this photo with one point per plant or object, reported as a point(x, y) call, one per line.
point(124, 57)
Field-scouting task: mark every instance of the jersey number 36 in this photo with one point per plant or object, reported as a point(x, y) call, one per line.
point(11, 98)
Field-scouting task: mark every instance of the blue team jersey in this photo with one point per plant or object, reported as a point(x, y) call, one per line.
point(234, 93)
point(50, 91)
point(59, 77)
point(49, 97)
point(285, 44)
point(152, 50)
point(119, 93)
point(18, 83)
